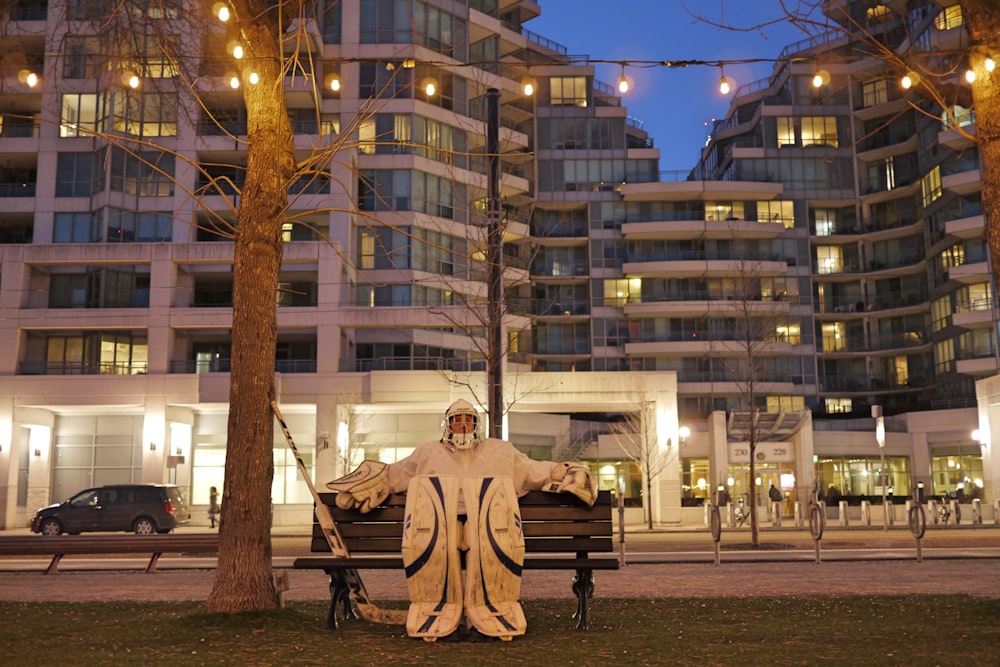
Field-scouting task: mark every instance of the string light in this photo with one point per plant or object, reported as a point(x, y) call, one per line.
point(27, 77)
point(430, 86)
point(254, 78)
point(529, 85)
point(333, 82)
point(623, 81)
point(908, 81)
point(221, 11)
point(970, 75)
point(989, 64)
point(130, 79)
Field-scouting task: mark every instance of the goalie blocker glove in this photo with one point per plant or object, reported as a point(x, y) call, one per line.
point(571, 477)
point(365, 488)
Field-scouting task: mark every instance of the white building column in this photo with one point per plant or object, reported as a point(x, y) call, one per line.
point(154, 439)
point(10, 449)
point(331, 435)
point(666, 491)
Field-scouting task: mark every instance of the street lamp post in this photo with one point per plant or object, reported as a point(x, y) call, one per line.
point(880, 439)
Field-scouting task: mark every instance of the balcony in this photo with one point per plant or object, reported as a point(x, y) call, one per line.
point(223, 366)
point(82, 368)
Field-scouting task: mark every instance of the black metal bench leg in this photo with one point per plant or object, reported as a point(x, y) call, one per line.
point(583, 587)
point(340, 594)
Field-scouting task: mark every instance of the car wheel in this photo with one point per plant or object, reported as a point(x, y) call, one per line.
point(50, 527)
point(144, 526)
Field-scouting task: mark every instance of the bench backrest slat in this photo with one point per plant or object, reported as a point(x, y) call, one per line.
point(553, 523)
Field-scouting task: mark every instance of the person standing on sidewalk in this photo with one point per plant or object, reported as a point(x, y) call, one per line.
point(213, 505)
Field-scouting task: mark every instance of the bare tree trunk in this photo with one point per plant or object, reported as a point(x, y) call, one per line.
point(754, 533)
point(649, 501)
point(982, 19)
point(243, 577)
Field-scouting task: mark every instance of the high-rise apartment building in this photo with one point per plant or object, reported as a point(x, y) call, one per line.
point(825, 254)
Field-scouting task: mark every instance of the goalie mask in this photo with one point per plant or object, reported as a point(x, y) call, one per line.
point(461, 425)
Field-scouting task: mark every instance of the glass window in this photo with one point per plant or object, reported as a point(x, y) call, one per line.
point(78, 174)
point(786, 131)
point(819, 131)
point(76, 228)
point(82, 115)
point(569, 91)
point(875, 92)
point(930, 186)
point(949, 17)
point(145, 114)
point(147, 173)
point(82, 57)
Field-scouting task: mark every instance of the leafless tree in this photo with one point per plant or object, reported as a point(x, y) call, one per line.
point(636, 435)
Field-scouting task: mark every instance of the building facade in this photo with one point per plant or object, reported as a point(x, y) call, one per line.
point(823, 256)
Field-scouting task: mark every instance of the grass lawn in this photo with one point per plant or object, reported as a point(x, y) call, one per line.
point(909, 630)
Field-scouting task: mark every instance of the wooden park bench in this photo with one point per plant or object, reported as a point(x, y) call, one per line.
point(560, 533)
point(58, 546)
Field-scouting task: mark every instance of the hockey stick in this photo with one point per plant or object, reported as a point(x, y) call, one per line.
point(359, 594)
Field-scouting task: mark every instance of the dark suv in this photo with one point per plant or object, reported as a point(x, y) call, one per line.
point(140, 508)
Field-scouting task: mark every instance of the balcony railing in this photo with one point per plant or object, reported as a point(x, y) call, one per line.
point(224, 366)
point(17, 189)
point(412, 364)
point(81, 368)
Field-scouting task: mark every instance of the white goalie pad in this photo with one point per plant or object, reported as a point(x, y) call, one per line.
point(571, 477)
point(495, 558)
point(430, 557)
point(365, 488)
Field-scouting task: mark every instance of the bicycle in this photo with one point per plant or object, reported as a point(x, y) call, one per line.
point(740, 514)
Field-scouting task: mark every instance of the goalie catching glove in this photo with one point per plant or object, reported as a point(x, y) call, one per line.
point(570, 477)
point(364, 489)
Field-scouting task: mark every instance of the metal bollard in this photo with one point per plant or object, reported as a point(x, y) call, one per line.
point(977, 511)
point(866, 513)
point(844, 521)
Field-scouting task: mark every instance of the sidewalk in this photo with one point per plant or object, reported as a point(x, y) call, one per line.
point(855, 561)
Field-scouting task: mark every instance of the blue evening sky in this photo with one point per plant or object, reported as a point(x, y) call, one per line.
point(674, 104)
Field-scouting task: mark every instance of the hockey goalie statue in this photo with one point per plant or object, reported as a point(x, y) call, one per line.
point(461, 495)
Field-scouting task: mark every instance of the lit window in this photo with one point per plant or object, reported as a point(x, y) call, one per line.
point(819, 131)
point(829, 259)
point(826, 221)
point(949, 17)
point(786, 131)
point(930, 186)
point(569, 91)
point(839, 406)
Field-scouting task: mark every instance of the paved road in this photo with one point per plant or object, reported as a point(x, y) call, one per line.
point(871, 562)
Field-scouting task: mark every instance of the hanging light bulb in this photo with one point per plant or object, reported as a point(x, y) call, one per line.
point(333, 82)
point(529, 85)
point(221, 11)
point(623, 81)
point(236, 49)
point(989, 64)
point(233, 80)
point(821, 78)
point(27, 77)
point(254, 78)
point(430, 86)
point(970, 75)
point(130, 79)
point(908, 81)
point(724, 85)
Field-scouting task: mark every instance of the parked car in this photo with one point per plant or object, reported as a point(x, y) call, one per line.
point(140, 508)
